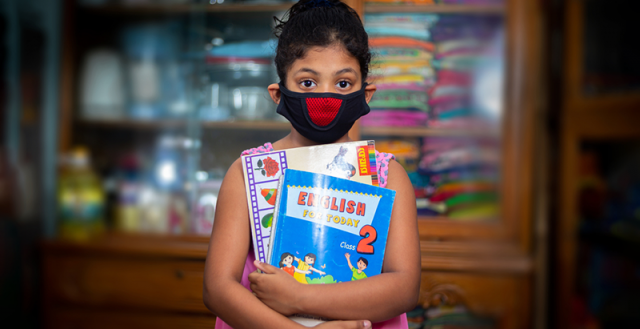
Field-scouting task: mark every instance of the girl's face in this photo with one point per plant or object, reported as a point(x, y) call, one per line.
point(287, 261)
point(327, 69)
point(309, 260)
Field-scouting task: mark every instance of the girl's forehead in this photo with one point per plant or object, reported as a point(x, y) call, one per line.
point(326, 59)
point(336, 48)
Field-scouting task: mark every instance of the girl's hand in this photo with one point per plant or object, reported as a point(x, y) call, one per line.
point(275, 288)
point(345, 325)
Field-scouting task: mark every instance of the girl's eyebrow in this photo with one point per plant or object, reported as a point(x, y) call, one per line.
point(345, 70)
point(307, 70)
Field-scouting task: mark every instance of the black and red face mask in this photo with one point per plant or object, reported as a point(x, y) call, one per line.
point(322, 117)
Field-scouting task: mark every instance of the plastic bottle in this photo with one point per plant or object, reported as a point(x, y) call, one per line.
point(81, 200)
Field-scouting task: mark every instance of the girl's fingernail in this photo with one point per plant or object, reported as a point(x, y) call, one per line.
point(367, 324)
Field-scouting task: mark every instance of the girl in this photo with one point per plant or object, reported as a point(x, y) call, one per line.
point(323, 53)
point(305, 267)
point(286, 261)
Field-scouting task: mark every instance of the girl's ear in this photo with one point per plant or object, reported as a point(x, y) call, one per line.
point(369, 90)
point(274, 92)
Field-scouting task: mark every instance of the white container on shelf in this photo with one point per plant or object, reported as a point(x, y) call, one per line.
point(204, 208)
point(237, 88)
point(215, 105)
point(252, 103)
point(102, 93)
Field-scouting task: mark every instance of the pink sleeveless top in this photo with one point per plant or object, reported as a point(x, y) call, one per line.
point(382, 167)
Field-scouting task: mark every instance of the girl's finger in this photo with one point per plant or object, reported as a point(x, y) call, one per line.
point(253, 276)
point(254, 289)
point(366, 324)
point(264, 267)
point(361, 324)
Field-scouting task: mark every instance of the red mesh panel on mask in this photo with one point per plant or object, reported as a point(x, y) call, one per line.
point(323, 110)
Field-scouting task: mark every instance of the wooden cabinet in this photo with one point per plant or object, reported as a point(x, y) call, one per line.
point(67, 318)
point(600, 102)
point(487, 265)
point(129, 282)
point(503, 298)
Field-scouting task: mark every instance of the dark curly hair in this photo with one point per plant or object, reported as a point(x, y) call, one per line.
point(311, 23)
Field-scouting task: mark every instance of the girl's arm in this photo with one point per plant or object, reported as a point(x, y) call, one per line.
point(316, 270)
point(377, 298)
point(223, 294)
point(301, 271)
point(348, 260)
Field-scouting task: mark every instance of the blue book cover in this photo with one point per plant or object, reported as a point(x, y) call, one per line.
point(329, 229)
point(353, 160)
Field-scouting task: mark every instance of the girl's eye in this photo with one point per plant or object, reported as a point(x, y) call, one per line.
point(343, 84)
point(308, 83)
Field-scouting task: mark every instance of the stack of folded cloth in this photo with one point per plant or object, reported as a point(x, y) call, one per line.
point(426, 69)
point(417, 2)
point(462, 45)
point(432, 2)
point(406, 152)
point(459, 178)
point(470, 2)
point(401, 68)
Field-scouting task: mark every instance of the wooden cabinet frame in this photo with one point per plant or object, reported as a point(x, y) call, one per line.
point(502, 247)
point(574, 99)
point(611, 117)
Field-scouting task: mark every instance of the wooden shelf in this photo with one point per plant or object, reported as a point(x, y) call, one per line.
point(135, 124)
point(449, 220)
point(436, 9)
point(261, 125)
point(172, 124)
point(275, 7)
point(186, 8)
point(285, 126)
point(424, 131)
point(446, 228)
point(183, 246)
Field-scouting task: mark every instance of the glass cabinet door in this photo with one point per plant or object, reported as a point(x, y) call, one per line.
point(600, 55)
point(166, 96)
point(608, 235)
point(608, 51)
point(439, 106)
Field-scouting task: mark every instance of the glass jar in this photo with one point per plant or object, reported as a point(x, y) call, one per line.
point(80, 198)
point(239, 86)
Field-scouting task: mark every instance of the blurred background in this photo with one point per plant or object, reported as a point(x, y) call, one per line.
point(518, 122)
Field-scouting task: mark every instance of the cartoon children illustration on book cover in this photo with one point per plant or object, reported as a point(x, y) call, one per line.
point(358, 273)
point(286, 261)
point(305, 268)
point(330, 219)
point(353, 160)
